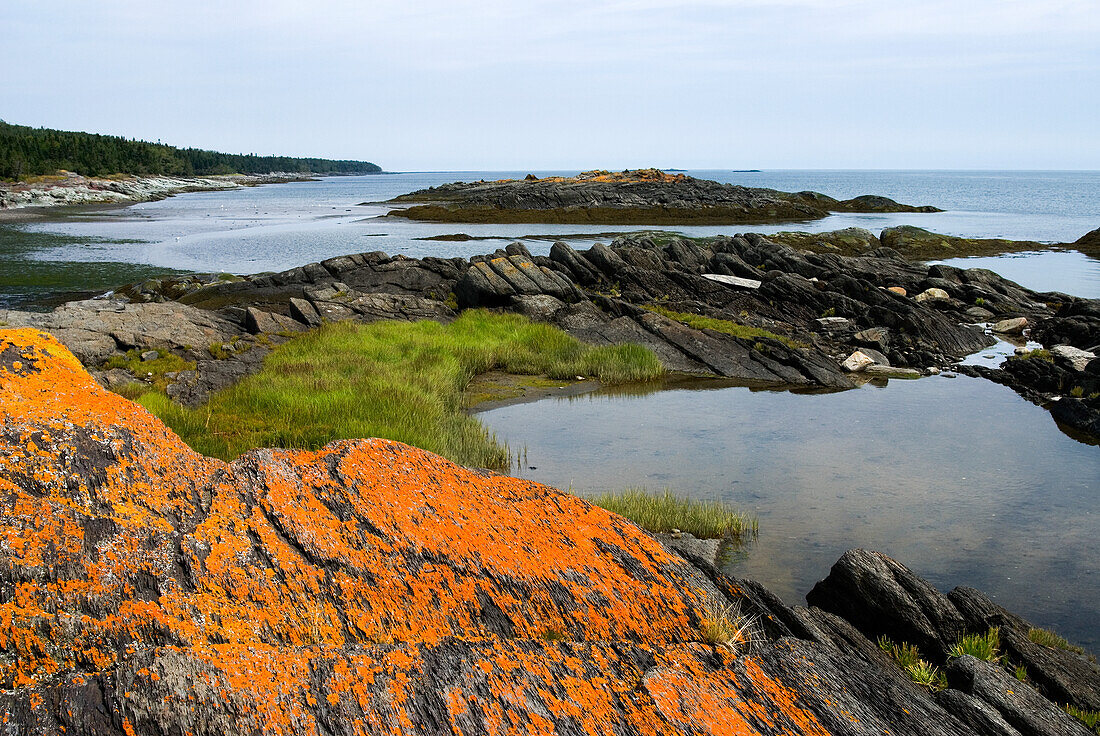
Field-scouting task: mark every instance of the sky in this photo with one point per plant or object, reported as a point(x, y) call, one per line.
point(449, 85)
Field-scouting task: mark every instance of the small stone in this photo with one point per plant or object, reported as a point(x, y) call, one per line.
point(900, 291)
point(879, 337)
point(887, 371)
point(857, 362)
point(150, 355)
point(933, 370)
point(1013, 326)
point(833, 323)
point(932, 295)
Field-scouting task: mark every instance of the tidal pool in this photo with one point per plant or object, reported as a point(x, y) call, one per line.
point(958, 478)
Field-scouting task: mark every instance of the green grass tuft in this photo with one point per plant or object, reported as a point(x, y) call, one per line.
point(919, 670)
point(725, 326)
point(1020, 672)
point(396, 380)
point(1091, 718)
point(1047, 638)
point(1040, 354)
point(663, 512)
point(149, 370)
point(983, 646)
point(724, 626)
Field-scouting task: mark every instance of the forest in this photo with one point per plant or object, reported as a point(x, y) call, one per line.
point(26, 151)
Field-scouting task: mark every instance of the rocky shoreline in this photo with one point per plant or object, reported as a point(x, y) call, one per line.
point(372, 588)
point(642, 197)
point(780, 316)
point(69, 189)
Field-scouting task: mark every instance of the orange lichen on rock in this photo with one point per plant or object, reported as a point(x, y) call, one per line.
point(369, 587)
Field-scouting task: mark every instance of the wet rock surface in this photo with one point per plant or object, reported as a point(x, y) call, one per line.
point(371, 588)
point(646, 196)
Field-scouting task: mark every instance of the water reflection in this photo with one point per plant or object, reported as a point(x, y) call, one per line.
point(959, 478)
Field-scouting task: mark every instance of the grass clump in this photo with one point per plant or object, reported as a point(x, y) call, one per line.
point(725, 326)
point(919, 670)
point(1090, 718)
point(724, 626)
point(1020, 673)
point(1047, 638)
point(983, 646)
point(149, 370)
point(1040, 354)
point(664, 512)
point(396, 380)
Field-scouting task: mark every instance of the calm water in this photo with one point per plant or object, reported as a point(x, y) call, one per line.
point(959, 478)
point(277, 227)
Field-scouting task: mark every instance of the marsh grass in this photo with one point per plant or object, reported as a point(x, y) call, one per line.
point(1047, 638)
point(396, 380)
point(724, 326)
point(663, 512)
point(982, 646)
point(919, 670)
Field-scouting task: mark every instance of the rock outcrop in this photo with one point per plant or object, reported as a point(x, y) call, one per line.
point(646, 196)
point(777, 314)
point(372, 588)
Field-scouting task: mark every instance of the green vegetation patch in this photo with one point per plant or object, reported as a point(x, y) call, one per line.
point(1040, 354)
point(725, 326)
point(151, 370)
point(1091, 718)
point(919, 670)
point(663, 512)
point(1047, 638)
point(983, 646)
point(396, 380)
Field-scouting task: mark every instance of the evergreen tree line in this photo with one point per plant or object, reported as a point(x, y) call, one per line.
point(26, 151)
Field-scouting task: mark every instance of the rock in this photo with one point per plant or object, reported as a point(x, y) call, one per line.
point(886, 371)
point(305, 312)
point(833, 324)
point(150, 355)
point(877, 337)
point(881, 597)
point(733, 281)
point(1075, 358)
point(932, 295)
point(878, 358)
point(978, 314)
point(857, 362)
point(977, 714)
point(1014, 326)
point(259, 321)
point(899, 290)
point(1017, 702)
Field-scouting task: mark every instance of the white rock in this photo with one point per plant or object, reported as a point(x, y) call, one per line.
point(932, 295)
point(857, 362)
point(733, 280)
point(1078, 358)
point(833, 323)
point(891, 372)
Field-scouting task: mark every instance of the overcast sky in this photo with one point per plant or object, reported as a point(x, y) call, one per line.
point(563, 84)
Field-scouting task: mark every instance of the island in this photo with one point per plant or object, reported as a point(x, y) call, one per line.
point(637, 197)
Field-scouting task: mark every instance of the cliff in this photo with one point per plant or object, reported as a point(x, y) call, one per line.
point(372, 588)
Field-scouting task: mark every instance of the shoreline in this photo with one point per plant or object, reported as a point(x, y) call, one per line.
point(28, 202)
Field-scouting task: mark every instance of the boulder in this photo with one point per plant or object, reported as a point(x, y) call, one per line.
point(1075, 358)
point(932, 295)
point(881, 597)
point(857, 362)
point(1013, 326)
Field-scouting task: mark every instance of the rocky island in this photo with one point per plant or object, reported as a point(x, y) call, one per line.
point(640, 197)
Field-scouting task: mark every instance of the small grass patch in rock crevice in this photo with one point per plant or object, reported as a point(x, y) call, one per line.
point(395, 380)
point(981, 646)
point(725, 326)
point(1047, 638)
point(1090, 718)
point(920, 671)
point(664, 512)
point(149, 370)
